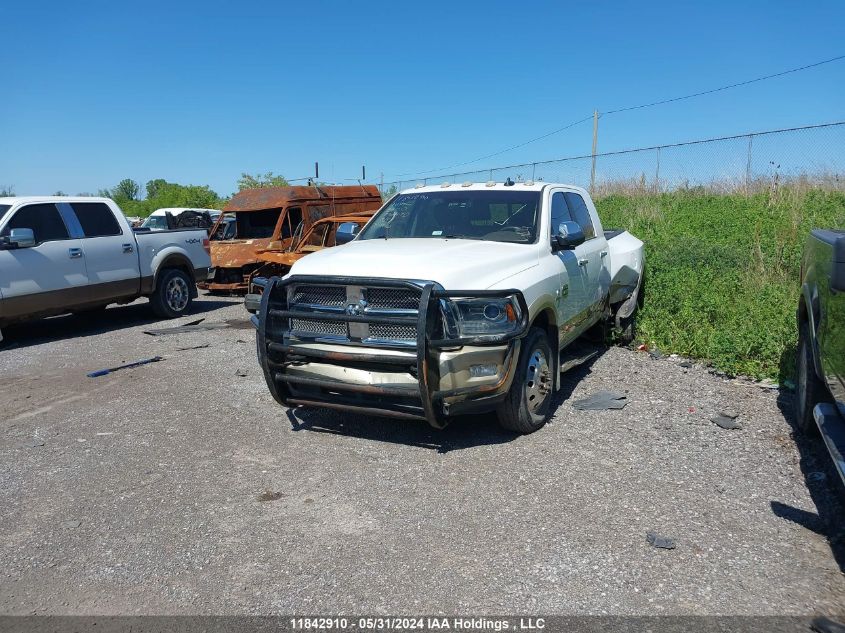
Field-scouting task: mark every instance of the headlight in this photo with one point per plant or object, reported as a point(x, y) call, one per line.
point(470, 317)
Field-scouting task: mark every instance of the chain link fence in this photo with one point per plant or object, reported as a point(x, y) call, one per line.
point(813, 156)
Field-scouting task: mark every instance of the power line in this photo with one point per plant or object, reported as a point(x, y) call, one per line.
point(629, 108)
point(728, 87)
point(513, 147)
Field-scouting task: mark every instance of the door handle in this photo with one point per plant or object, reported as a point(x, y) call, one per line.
point(604, 253)
point(128, 248)
point(583, 262)
point(74, 253)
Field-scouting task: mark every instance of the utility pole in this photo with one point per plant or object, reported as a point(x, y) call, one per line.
point(595, 144)
point(381, 183)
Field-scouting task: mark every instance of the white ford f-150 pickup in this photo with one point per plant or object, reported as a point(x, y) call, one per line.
point(452, 299)
point(64, 254)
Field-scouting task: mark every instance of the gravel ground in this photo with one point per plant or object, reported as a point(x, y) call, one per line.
point(181, 487)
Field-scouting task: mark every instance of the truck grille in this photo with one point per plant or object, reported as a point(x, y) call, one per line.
point(331, 296)
point(382, 332)
point(358, 300)
point(318, 328)
point(393, 298)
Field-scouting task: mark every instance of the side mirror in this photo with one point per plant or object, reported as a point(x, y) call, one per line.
point(20, 238)
point(346, 232)
point(569, 235)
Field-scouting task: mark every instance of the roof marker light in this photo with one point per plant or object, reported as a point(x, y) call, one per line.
point(445, 184)
point(419, 185)
point(528, 183)
point(491, 183)
point(467, 184)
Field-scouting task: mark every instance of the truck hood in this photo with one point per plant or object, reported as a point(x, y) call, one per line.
point(453, 263)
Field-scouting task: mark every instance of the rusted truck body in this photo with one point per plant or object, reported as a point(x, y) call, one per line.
point(323, 233)
point(269, 218)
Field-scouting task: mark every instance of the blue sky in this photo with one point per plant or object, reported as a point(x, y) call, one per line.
point(197, 92)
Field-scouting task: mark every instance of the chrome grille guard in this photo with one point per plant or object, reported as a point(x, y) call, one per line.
point(276, 351)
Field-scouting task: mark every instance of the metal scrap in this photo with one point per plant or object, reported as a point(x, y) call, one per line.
point(660, 542)
point(111, 370)
point(601, 401)
point(187, 328)
point(726, 421)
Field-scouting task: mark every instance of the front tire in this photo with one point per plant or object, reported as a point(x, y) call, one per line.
point(809, 390)
point(172, 297)
point(526, 407)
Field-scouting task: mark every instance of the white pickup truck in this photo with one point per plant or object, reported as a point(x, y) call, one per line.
point(63, 254)
point(452, 299)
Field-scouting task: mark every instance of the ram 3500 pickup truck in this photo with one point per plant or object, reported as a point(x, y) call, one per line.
point(820, 393)
point(62, 254)
point(453, 299)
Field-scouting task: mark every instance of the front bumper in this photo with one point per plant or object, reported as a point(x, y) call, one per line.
point(429, 380)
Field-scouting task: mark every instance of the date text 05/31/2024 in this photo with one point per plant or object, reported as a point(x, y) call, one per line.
point(385, 623)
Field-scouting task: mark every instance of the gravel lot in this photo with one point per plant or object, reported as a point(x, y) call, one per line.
point(181, 487)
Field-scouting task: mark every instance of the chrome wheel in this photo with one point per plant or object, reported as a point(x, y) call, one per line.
point(177, 294)
point(537, 380)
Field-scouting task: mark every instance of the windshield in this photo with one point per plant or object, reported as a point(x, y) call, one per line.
point(496, 216)
point(155, 222)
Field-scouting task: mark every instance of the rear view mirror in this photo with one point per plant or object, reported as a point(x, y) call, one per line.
point(346, 232)
point(20, 238)
point(569, 235)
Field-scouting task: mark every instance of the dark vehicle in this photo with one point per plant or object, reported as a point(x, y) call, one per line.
point(820, 397)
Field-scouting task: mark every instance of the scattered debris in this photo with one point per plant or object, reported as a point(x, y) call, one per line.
point(309, 500)
point(642, 348)
point(691, 410)
point(73, 523)
point(239, 324)
point(686, 364)
point(31, 443)
point(197, 322)
point(661, 542)
point(269, 495)
point(185, 349)
point(822, 624)
point(655, 354)
point(241, 373)
point(137, 363)
point(601, 401)
point(726, 421)
point(188, 328)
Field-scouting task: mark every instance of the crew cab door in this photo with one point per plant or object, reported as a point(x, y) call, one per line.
point(110, 250)
point(592, 254)
point(48, 276)
point(572, 290)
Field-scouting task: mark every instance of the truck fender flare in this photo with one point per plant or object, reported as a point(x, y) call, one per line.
point(176, 260)
point(808, 310)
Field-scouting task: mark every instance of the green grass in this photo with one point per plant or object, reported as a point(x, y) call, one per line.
point(723, 271)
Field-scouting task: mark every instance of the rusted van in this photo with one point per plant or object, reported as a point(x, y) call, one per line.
point(268, 219)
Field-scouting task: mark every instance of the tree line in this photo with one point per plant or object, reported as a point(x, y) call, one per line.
point(159, 193)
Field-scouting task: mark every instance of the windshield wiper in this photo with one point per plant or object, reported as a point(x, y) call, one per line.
point(459, 237)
